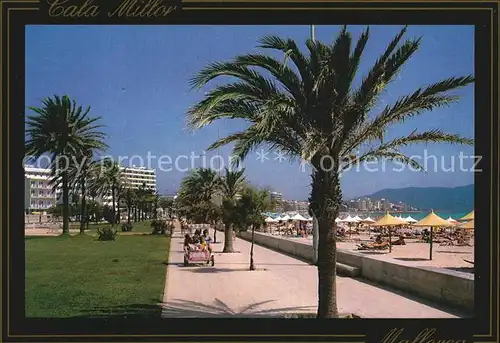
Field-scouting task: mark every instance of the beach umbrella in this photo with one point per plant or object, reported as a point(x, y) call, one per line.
point(469, 225)
point(451, 220)
point(357, 218)
point(298, 217)
point(349, 219)
point(433, 221)
point(367, 220)
point(388, 221)
point(278, 218)
point(467, 217)
point(286, 217)
point(270, 220)
point(338, 220)
point(409, 219)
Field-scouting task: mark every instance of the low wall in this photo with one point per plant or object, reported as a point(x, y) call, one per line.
point(455, 289)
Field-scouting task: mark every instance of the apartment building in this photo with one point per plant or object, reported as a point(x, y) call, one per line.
point(277, 198)
point(38, 193)
point(135, 177)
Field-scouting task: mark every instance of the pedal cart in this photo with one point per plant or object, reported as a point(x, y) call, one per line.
point(199, 256)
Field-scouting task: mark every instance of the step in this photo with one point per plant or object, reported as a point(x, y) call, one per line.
point(345, 270)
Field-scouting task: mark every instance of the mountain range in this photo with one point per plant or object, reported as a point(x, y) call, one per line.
point(456, 199)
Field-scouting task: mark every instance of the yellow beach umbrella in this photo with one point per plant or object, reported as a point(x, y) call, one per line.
point(468, 217)
point(469, 225)
point(432, 220)
point(389, 220)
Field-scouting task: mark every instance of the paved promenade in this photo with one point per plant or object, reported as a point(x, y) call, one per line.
point(281, 284)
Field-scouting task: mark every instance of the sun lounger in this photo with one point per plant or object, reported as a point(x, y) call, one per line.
point(374, 246)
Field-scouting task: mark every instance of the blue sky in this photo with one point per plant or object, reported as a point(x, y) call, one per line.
point(136, 78)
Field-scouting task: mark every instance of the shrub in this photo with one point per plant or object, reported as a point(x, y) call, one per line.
point(127, 227)
point(106, 234)
point(160, 227)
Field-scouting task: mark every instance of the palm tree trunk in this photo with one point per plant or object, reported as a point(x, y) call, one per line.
point(65, 195)
point(228, 238)
point(315, 239)
point(83, 208)
point(215, 233)
point(113, 220)
point(327, 197)
point(252, 267)
point(128, 214)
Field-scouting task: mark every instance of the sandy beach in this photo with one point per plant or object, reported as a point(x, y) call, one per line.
point(413, 253)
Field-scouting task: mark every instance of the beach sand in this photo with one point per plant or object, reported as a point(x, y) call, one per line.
point(413, 253)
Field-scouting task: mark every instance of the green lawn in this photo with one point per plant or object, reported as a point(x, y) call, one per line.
point(144, 226)
point(77, 276)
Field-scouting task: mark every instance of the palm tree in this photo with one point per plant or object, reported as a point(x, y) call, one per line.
point(230, 185)
point(167, 205)
point(110, 181)
point(80, 173)
point(313, 111)
point(129, 197)
point(196, 194)
point(63, 130)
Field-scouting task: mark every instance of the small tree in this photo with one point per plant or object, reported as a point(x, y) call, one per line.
point(249, 208)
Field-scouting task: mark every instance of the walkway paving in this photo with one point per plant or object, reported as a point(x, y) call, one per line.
point(281, 284)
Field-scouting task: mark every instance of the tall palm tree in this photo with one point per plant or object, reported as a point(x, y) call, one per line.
point(230, 185)
point(313, 111)
point(129, 197)
point(110, 181)
point(80, 174)
point(62, 130)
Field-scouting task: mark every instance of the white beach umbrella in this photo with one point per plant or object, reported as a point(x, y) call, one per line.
point(338, 220)
point(357, 218)
point(298, 217)
point(344, 219)
point(368, 220)
point(409, 219)
point(349, 219)
point(286, 217)
point(278, 218)
point(451, 220)
point(270, 220)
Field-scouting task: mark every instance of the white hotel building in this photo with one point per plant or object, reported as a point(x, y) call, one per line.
point(135, 177)
point(38, 193)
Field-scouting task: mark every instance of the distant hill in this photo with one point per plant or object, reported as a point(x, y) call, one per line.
point(457, 199)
